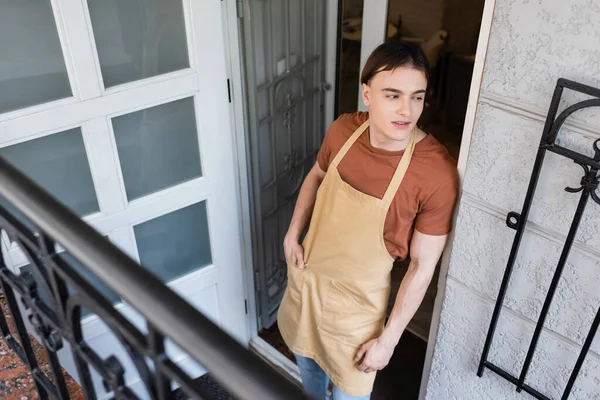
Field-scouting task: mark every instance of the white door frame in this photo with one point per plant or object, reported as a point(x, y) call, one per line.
point(235, 71)
point(374, 29)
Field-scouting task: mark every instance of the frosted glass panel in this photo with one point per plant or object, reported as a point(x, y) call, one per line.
point(158, 147)
point(138, 39)
point(32, 67)
point(59, 164)
point(175, 244)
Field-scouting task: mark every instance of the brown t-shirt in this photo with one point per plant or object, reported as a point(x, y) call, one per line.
point(426, 198)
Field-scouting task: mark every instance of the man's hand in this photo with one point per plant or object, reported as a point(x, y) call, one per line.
point(294, 253)
point(374, 355)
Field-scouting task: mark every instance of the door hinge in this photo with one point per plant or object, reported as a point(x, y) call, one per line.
point(229, 90)
point(240, 8)
point(257, 280)
point(257, 289)
point(246, 306)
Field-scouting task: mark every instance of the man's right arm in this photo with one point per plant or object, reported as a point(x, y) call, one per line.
point(294, 254)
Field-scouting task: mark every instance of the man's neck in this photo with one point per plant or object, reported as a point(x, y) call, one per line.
point(380, 141)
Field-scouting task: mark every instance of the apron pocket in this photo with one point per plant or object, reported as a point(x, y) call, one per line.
point(348, 321)
point(295, 282)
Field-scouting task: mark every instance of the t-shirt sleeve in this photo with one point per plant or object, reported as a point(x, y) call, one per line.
point(328, 149)
point(435, 218)
point(337, 134)
point(324, 155)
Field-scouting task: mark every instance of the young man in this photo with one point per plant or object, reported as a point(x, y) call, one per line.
point(381, 189)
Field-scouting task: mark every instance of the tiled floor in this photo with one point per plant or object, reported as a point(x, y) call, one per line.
point(16, 382)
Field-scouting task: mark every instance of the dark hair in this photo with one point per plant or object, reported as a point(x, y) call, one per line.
point(392, 55)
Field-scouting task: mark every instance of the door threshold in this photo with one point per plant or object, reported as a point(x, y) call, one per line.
point(276, 359)
point(418, 333)
point(284, 365)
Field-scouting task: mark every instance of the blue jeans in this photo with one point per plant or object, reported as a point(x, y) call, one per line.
point(316, 381)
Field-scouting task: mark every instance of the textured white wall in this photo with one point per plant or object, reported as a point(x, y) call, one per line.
point(532, 44)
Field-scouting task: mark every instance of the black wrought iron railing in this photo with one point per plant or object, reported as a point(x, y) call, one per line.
point(587, 187)
point(58, 319)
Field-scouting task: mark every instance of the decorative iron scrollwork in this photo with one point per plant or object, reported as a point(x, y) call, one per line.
point(587, 188)
point(290, 181)
point(590, 180)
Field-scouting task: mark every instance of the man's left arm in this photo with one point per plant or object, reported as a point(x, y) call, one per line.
point(425, 251)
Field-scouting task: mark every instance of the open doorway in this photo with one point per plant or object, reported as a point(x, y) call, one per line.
point(279, 102)
point(448, 32)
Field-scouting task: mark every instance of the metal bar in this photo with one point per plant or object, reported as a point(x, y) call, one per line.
point(303, 118)
point(286, 11)
point(290, 118)
point(59, 288)
point(553, 285)
point(573, 155)
point(270, 118)
point(274, 211)
point(321, 72)
point(522, 221)
point(6, 333)
point(271, 44)
point(272, 134)
point(173, 371)
point(303, 29)
point(511, 259)
point(158, 354)
point(512, 379)
point(59, 378)
point(273, 182)
point(279, 78)
point(584, 350)
point(83, 370)
point(316, 80)
point(241, 372)
point(88, 296)
point(251, 39)
point(338, 60)
point(43, 381)
point(27, 355)
point(560, 120)
point(3, 323)
point(579, 87)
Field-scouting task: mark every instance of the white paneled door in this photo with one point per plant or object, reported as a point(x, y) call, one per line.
point(120, 109)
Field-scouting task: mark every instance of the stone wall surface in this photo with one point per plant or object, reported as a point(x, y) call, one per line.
point(532, 44)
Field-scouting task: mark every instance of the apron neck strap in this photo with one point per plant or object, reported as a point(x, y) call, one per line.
point(349, 143)
point(401, 169)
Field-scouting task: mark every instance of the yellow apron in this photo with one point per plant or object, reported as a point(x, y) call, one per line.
point(339, 301)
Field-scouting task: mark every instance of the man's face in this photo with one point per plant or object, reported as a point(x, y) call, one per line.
point(395, 100)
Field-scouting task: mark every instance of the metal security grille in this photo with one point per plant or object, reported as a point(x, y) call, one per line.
point(38, 223)
point(587, 188)
point(284, 60)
